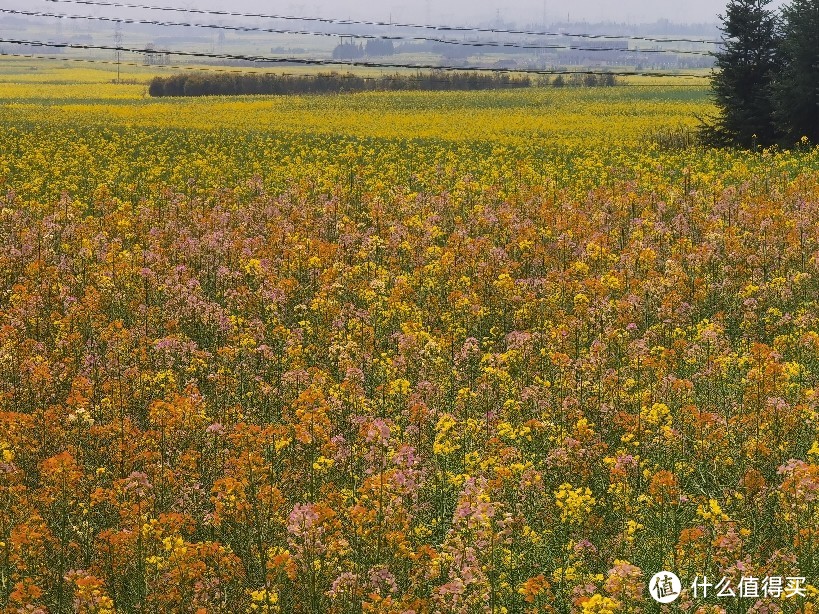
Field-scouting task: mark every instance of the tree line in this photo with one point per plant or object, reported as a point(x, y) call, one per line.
point(374, 48)
point(326, 83)
point(589, 79)
point(766, 82)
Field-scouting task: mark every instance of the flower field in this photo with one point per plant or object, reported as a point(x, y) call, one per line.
point(400, 352)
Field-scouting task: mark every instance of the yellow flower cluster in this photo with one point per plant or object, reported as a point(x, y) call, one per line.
point(264, 601)
point(712, 512)
point(445, 436)
point(598, 604)
point(574, 503)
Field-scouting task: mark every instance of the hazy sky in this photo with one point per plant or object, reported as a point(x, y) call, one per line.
point(451, 11)
point(524, 11)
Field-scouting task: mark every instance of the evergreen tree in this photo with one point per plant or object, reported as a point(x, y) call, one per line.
point(742, 81)
point(797, 88)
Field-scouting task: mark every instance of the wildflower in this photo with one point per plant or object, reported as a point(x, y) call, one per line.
point(532, 588)
point(574, 503)
point(712, 512)
point(264, 601)
point(581, 301)
point(625, 581)
point(598, 604)
point(445, 442)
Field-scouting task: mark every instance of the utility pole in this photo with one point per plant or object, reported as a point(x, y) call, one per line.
point(118, 43)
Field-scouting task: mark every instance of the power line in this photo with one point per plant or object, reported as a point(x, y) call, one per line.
point(497, 44)
point(312, 75)
point(329, 20)
point(319, 62)
point(115, 63)
point(222, 70)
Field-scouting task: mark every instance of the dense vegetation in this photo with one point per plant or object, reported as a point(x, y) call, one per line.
point(409, 351)
point(220, 84)
point(767, 80)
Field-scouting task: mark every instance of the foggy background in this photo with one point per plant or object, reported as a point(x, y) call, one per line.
point(626, 36)
point(453, 11)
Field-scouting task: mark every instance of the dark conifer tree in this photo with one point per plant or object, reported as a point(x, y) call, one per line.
point(742, 82)
point(796, 90)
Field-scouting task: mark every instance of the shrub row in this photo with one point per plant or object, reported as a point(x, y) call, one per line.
point(325, 83)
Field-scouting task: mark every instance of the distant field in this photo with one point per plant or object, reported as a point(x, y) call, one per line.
point(504, 351)
point(545, 128)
